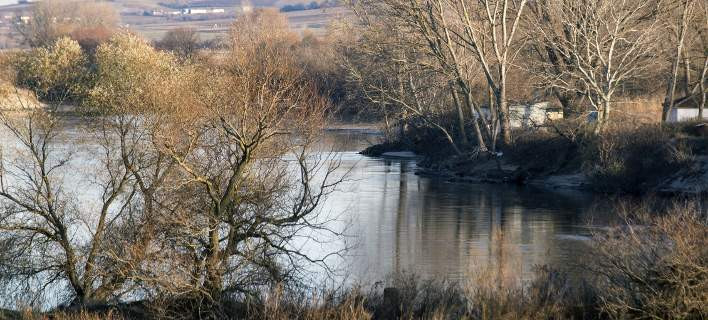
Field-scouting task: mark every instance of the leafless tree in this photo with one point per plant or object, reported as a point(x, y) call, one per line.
point(206, 184)
point(695, 59)
point(607, 42)
point(541, 14)
point(488, 30)
point(247, 188)
point(681, 25)
point(395, 72)
point(184, 42)
point(61, 241)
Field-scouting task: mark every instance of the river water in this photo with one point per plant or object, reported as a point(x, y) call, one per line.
point(402, 222)
point(394, 220)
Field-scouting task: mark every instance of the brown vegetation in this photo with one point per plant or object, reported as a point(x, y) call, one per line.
point(204, 173)
point(591, 58)
point(206, 178)
point(183, 42)
point(53, 19)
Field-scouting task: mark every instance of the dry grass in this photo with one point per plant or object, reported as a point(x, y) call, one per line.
point(655, 264)
point(643, 110)
point(627, 158)
point(634, 158)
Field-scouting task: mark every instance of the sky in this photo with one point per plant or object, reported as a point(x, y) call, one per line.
point(5, 2)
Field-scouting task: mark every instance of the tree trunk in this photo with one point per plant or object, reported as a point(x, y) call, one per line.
point(460, 116)
point(504, 119)
point(702, 86)
point(503, 105)
point(686, 75)
point(671, 85)
point(475, 123)
point(568, 102)
point(213, 281)
point(474, 109)
point(668, 104)
point(603, 115)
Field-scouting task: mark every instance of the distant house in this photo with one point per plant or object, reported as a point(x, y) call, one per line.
point(189, 11)
point(533, 115)
point(195, 11)
point(530, 115)
point(680, 114)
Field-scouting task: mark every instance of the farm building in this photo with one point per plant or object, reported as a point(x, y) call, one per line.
point(680, 114)
point(533, 115)
point(530, 115)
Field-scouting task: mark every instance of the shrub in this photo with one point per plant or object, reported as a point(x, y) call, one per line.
point(128, 71)
point(57, 73)
point(654, 265)
point(632, 160)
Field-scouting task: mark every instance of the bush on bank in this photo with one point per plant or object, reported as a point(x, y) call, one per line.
point(625, 158)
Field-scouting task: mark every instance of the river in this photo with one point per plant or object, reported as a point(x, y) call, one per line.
point(394, 220)
point(402, 222)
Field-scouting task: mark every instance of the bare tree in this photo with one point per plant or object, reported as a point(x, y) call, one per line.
point(246, 187)
point(396, 73)
point(681, 25)
point(695, 55)
point(488, 29)
point(206, 183)
point(427, 41)
point(541, 14)
point(62, 241)
point(183, 42)
point(607, 42)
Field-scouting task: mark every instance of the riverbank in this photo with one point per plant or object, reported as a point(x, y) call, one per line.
point(646, 159)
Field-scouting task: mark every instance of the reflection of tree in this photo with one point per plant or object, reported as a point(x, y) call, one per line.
point(489, 223)
point(401, 210)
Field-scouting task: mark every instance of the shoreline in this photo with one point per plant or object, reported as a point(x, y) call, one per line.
point(691, 181)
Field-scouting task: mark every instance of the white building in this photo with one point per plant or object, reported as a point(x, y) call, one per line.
point(195, 11)
point(533, 115)
point(203, 11)
point(530, 115)
point(679, 114)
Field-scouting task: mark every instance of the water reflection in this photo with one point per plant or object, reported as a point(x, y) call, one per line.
point(400, 221)
point(435, 228)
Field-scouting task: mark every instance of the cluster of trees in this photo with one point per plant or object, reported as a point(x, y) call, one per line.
point(206, 187)
point(184, 42)
point(88, 22)
point(429, 61)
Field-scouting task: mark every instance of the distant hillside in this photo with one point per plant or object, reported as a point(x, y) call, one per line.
point(219, 3)
point(179, 4)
